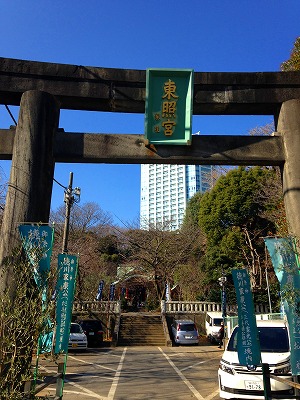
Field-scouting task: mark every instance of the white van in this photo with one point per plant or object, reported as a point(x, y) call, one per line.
point(212, 325)
point(237, 381)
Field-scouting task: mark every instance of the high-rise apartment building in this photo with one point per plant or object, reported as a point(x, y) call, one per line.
point(166, 189)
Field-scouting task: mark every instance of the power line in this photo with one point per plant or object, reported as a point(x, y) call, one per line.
point(9, 112)
point(60, 184)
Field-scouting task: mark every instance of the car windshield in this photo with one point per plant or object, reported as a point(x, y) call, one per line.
point(187, 327)
point(75, 328)
point(272, 339)
point(93, 325)
point(217, 321)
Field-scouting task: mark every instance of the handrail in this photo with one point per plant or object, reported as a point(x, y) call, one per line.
point(167, 307)
point(109, 307)
point(191, 307)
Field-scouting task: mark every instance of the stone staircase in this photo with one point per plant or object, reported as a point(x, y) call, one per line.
point(141, 329)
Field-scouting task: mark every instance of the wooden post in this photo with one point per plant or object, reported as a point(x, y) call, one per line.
point(30, 186)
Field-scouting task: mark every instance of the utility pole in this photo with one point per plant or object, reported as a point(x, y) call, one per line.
point(71, 196)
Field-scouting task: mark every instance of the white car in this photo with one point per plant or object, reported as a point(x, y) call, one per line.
point(77, 338)
point(242, 382)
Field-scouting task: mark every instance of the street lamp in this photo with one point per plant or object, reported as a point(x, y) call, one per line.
point(71, 196)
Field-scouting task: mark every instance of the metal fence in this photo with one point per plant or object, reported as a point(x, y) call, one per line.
point(232, 321)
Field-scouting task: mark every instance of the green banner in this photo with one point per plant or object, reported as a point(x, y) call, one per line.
point(169, 106)
point(248, 341)
point(37, 241)
point(286, 266)
point(67, 273)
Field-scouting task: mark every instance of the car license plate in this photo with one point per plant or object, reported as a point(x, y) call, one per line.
point(253, 385)
point(91, 333)
point(74, 344)
point(188, 337)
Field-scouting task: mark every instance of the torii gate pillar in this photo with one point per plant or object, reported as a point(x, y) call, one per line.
point(31, 178)
point(289, 127)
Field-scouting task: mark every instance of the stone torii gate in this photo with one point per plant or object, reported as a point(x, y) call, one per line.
point(42, 89)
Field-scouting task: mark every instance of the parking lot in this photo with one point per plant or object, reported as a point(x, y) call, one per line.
point(184, 372)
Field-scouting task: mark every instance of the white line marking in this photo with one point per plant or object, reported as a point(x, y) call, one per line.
point(82, 374)
point(90, 376)
point(90, 363)
point(198, 363)
point(99, 377)
point(86, 391)
point(183, 378)
point(192, 366)
point(74, 392)
point(116, 378)
point(177, 355)
point(211, 396)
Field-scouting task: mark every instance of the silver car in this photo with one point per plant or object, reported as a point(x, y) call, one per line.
point(77, 339)
point(185, 332)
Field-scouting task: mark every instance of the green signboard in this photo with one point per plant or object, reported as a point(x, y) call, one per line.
point(169, 106)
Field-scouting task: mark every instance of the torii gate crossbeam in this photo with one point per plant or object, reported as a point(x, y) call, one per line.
point(80, 87)
point(42, 89)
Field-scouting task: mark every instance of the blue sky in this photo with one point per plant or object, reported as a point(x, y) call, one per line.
point(209, 36)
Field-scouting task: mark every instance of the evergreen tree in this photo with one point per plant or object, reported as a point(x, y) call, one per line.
point(293, 63)
point(234, 218)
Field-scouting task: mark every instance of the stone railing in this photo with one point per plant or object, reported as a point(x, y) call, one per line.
point(101, 307)
point(192, 307)
point(167, 307)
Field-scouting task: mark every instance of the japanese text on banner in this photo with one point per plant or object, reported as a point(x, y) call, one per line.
point(67, 272)
point(248, 342)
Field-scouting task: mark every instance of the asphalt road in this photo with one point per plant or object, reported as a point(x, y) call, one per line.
point(144, 373)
